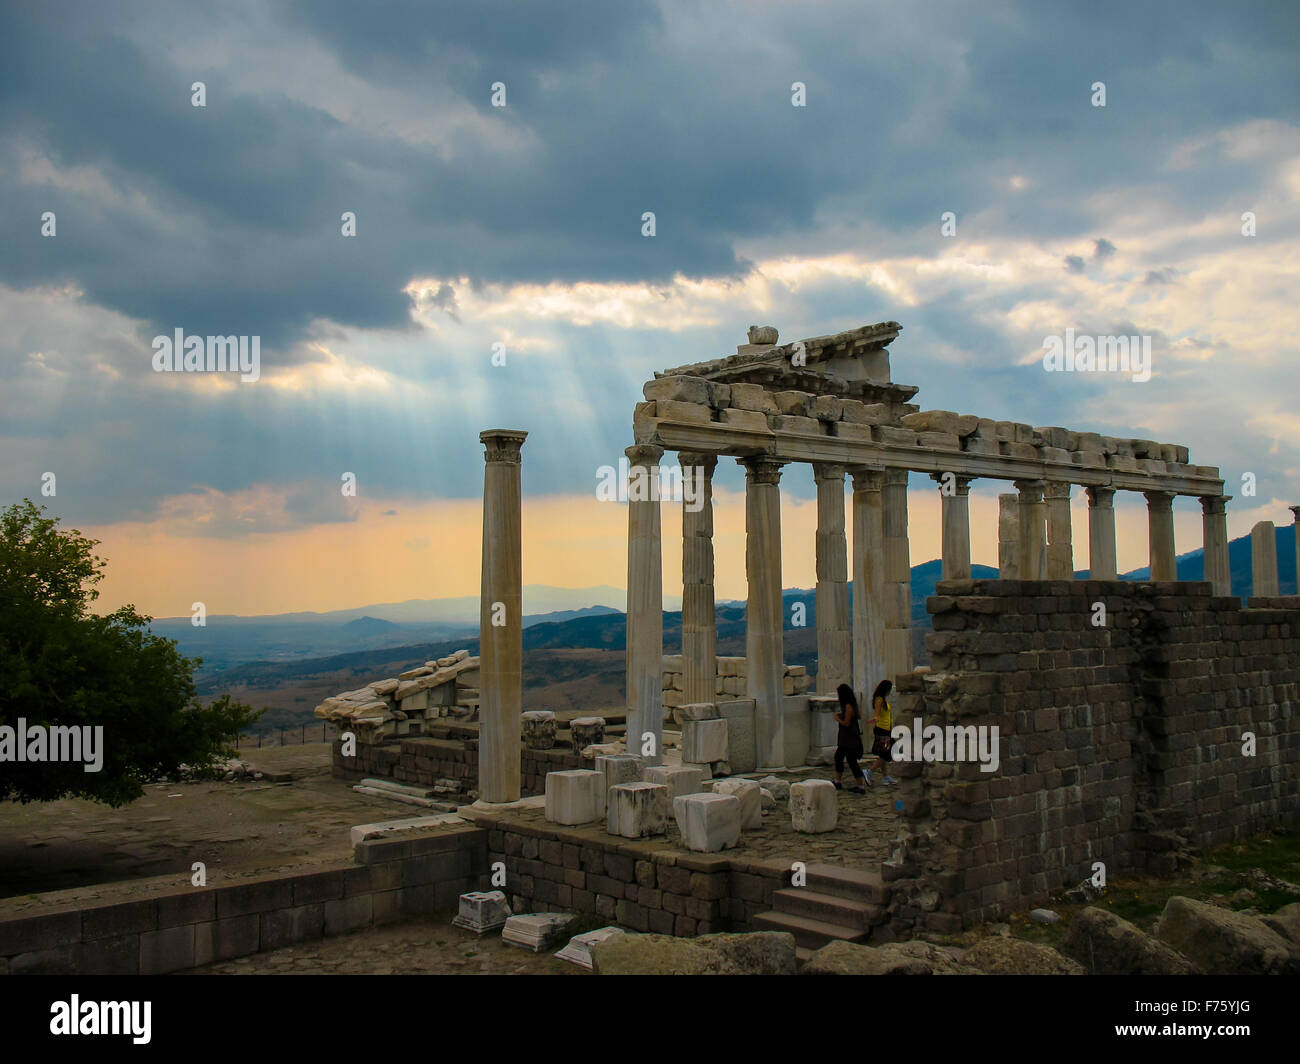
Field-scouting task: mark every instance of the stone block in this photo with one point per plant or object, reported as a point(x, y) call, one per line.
point(798, 721)
point(742, 752)
point(794, 403)
point(752, 397)
point(537, 729)
point(697, 711)
point(847, 430)
point(618, 768)
point(746, 420)
point(678, 780)
point(168, 950)
point(708, 822)
point(576, 796)
point(482, 911)
point(823, 731)
point(587, 731)
point(805, 426)
point(747, 792)
point(691, 413)
point(678, 388)
point(813, 806)
point(704, 741)
point(637, 810)
point(705, 770)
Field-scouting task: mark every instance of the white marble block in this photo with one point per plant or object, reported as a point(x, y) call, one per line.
point(751, 801)
point(813, 807)
point(678, 780)
point(618, 768)
point(825, 731)
point(696, 711)
point(704, 741)
point(636, 810)
point(579, 948)
point(708, 822)
point(576, 796)
point(482, 911)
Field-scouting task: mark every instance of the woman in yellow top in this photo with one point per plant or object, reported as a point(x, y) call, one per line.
point(881, 719)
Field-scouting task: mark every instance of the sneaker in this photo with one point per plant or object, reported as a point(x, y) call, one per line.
point(837, 785)
point(891, 781)
point(869, 780)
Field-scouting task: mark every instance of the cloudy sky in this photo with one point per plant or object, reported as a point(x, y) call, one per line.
point(522, 225)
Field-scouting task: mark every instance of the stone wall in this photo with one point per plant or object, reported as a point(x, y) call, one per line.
point(636, 884)
point(425, 761)
point(1120, 742)
point(730, 679)
point(175, 929)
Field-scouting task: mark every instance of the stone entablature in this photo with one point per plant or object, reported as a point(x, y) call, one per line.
point(398, 706)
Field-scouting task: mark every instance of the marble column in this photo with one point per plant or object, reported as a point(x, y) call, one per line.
point(1060, 533)
point(898, 575)
point(1009, 536)
point(1214, 525)
point(763, 614)
point(501, 618)
point(699, 628)
point(954, 508)
point(1263, 560)
point(1295, 530)
point(834, 646)
point(868, 583)
point(645, 603)
point(1033, 529)
point(1103, 562)
point(1160, 526)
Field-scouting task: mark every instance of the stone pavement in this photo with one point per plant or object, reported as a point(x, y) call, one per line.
point(414, 947)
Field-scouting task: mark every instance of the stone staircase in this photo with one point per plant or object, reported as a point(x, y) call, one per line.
point(837, 904)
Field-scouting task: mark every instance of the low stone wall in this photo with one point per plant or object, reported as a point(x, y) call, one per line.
point(425, 761)
point(1121, 742)
point(185, 928)
point(636, 884)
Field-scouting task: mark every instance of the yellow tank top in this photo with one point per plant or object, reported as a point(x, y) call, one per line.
point(884, 718)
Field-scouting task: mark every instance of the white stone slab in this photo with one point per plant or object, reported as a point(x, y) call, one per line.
point(535, 931)
point(678, 780)
point(751, 801)
point(575, 796)
point(813, 806)
point(708, 822)
point(704, 741)
point(482, 911)
point(637, 810)
point(580, 946)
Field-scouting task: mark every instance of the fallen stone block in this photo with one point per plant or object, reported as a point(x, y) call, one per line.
point(704, 741)
point(1222, 942)
point(482, 911)
point(813, 806)
point(708, 822)
point(678, 780)
point(535, 931)
point(575, 796)
point(1105, 944)
point(636, 810)
point(747, 792)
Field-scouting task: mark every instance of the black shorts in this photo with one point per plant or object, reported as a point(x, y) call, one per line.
point(881, 744)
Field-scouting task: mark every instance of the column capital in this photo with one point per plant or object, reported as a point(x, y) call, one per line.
point(961, 483)
point(1100, 498)
point(1030, 489)
point(1058, 489)
point(895, 477)
point(1159, 500)
point(706, 460)
point(502, 445)
point(865, 478)
point(644, 454)
point(761, 469)
point(1215, 504)
point(828, 471)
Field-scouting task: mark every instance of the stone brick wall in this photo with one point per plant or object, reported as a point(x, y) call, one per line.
point(183, 928)
point(636, 884)
point(1120, 743)
point(424, 761)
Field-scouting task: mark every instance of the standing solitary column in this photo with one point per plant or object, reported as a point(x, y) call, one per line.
point(501, 618)
point(1009, 536)
point(1160, 525)
point(1033, 527)
point(954, 507)
point(1295, 529)
point(834, 647)
point(1214, 526)
point(699, 630)
point(1263, 560)
point(1060, 535)
point(645, 603)
point(763, 620)
point(1103, 562)
point(868, 583)
point(898, 575)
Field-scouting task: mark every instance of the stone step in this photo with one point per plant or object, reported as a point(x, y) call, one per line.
point(859, 884)
point(408, 799)
point(807, 932)
point(381, 783)
point(829, 908)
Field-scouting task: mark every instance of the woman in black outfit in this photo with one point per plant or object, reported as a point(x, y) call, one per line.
point(849, 740)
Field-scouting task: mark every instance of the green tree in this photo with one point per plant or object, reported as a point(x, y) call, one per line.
point(62, 665)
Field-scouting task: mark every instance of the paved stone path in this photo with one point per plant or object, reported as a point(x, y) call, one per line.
point(414, 947)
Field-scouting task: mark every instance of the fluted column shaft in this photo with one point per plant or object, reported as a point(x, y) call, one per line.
point(1060, 534)
point(1008, 536)
point(868, 583)
point(1160, 526)
point(645, 603)
point(1103, 561)
point(834, 646)
point(954, 507)
point(763, 619)
point(898, 575)
point(1263, 560)
point(1295, 528)
point(501, 618)
point(1033, 528)
point(699, 628)
point(1214, 526)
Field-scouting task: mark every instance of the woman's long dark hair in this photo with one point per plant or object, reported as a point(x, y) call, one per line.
point(882, 689)
point(847, 698)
